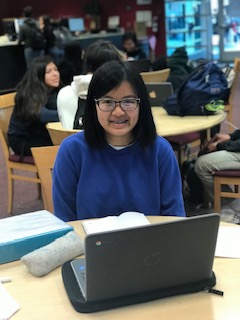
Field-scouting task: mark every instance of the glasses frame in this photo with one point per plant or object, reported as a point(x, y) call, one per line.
point(97, 101)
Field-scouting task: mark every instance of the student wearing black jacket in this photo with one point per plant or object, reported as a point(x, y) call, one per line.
point(35, 105)
point(221, 153)
point(26, 37)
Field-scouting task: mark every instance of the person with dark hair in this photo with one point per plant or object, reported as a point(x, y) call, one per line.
point(131, 47)
point(72, 62)
point(71, 99)
point(35, 105)
point(31, 36)
point(51, 48)
point(118, 163)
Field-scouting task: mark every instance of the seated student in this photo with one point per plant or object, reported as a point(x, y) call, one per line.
point(118, 163)
point(222, 153)
point(72, 62)
point(71, 99)
point(35, 105)
point(131, 47)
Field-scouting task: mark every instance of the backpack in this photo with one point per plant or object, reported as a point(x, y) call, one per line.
point(202, 93)
point(38, 40)
point(79, 116)
point(62, 37)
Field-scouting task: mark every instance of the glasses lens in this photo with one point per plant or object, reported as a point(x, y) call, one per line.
point(107, 105)
point(129, 104)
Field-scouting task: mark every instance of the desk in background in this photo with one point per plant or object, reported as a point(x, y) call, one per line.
point(167, 125)
point(45, 298)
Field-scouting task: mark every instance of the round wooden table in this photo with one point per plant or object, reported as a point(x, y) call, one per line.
point(167, 125)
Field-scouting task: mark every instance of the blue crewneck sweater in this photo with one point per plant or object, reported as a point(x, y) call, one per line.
point(94, 183)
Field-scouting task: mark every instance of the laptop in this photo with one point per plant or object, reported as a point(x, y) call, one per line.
point(158, 92)
point(143, 259)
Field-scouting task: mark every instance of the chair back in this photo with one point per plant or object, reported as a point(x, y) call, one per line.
point(44, 158)
point(156, 76)
point(58, 133)
point(6, 108)
point(236, 63)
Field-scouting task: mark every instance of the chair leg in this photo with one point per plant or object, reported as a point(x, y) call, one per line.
point(217, 195)
point(10, 191)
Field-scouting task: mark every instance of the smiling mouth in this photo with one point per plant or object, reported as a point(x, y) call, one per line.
point(119, 122)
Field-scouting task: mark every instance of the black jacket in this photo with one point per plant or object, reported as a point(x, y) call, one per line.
point(231, 145)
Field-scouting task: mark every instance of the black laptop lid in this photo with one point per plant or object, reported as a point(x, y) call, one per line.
point(152, 257)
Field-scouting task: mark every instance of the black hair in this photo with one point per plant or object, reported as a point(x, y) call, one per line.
point(108, 77)
point(98, 53)
point(27, 12)
point(130, 36)
point(32, 92)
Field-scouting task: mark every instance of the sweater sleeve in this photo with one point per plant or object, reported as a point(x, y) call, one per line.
point(65, 181)
point(48, 115)
point(171, 186)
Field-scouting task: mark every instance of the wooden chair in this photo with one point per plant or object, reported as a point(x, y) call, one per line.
point(13, 161)
point(58, 133)
point(44, 158)
point(223, 177)
point(180, 142)
point(228, 108)
point(156, 76)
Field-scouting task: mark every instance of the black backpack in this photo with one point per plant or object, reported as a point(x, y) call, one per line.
point(79, 116)
point(38, 40)
point(205, 85)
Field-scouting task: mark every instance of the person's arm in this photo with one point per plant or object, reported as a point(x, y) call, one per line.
point(65, 180)
point(171, 185)
point(48, 115)
point(232, 144)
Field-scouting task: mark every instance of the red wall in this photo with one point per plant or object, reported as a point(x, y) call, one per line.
point(125, 9)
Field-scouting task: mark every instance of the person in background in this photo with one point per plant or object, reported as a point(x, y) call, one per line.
point(72, 62)
point(26, 37)
point(118, 163)
point(51, 48)
point(35, 105)
point(131, 47)
point(221, 153)
point(71, 99)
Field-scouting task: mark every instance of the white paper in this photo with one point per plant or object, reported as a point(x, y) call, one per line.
point(8, 306)
point(125, 220)
point(29, 224)
point(228, 242)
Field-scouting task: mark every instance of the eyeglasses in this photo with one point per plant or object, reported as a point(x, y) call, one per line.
point(128, 104)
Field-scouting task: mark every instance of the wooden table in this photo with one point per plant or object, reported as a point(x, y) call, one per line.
point(171, 125)
point(45, 298)
point(167, 125)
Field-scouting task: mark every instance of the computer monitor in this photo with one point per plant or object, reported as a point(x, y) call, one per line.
point(76, 24)
point(17, 24)
point(8, 26)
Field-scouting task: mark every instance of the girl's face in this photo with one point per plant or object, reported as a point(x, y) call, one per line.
point(52, 76)
point(118, 123)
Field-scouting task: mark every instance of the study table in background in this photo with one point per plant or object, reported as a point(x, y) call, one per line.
point(45, 298)
point(167, 125)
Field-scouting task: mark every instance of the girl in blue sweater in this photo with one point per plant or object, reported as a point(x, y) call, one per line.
point(118, 163)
